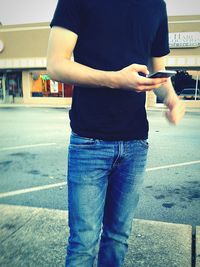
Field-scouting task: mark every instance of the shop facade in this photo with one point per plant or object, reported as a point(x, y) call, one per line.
point(23, 74)
point(24, 79)
point(32, 87)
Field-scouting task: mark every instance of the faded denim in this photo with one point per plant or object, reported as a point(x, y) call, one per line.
point(104, 178)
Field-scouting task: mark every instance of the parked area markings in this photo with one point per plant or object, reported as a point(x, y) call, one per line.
point(30, 189)
point(173, 165)
point(26, 146)
point(45, 187)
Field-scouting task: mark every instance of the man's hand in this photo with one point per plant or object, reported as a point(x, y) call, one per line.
point(129, 78)
point(176, 109)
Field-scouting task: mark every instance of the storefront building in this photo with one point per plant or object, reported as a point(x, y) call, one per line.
point(23, 75)
point(24, 79)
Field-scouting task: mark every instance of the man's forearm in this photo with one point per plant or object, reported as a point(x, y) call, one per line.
point(70, 72)
point(167, 89)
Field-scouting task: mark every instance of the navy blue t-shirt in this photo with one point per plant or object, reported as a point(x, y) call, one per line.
point(112, 34)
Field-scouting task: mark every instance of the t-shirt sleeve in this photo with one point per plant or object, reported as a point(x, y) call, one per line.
point(67, 15)
point(160, 46)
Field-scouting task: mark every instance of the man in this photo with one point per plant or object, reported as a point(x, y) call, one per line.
point(112, 42)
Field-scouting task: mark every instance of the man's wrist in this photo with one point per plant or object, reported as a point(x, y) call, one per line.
point(110, 79)
point(171, 100)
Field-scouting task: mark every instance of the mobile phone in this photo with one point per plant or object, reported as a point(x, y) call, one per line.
point(162, 74)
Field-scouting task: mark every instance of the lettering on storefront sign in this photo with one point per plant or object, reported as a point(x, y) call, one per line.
point(184, 39)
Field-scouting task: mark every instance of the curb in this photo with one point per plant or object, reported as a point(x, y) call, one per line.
point(38, 236)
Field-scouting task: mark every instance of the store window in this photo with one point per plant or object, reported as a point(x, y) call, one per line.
point(14, 84)
point(43, 86)
point(68, 90)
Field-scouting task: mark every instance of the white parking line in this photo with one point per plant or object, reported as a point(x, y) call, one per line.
point(31, 189)
point(44, 187)
point(173, 165)
point(26, 146)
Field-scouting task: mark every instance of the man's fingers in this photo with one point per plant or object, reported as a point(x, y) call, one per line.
point(151, 81)
point(148, 84)
point(140, 68)
point(131, 78)
point(148, 87)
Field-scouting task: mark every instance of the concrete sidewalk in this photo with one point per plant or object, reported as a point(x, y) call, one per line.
point(36, 237)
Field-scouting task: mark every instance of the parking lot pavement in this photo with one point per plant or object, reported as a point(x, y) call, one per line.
point(37, 237)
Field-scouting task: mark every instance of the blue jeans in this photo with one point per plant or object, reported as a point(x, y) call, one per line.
point(104, 178)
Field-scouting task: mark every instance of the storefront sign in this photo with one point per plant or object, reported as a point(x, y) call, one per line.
point(184, 39)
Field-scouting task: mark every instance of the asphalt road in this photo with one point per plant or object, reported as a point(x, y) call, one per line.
point(33, 163)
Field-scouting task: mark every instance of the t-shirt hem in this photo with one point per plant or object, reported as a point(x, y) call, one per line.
point(112, 137)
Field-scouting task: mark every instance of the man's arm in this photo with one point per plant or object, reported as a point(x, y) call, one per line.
point(176, 109)
point(60, 67)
